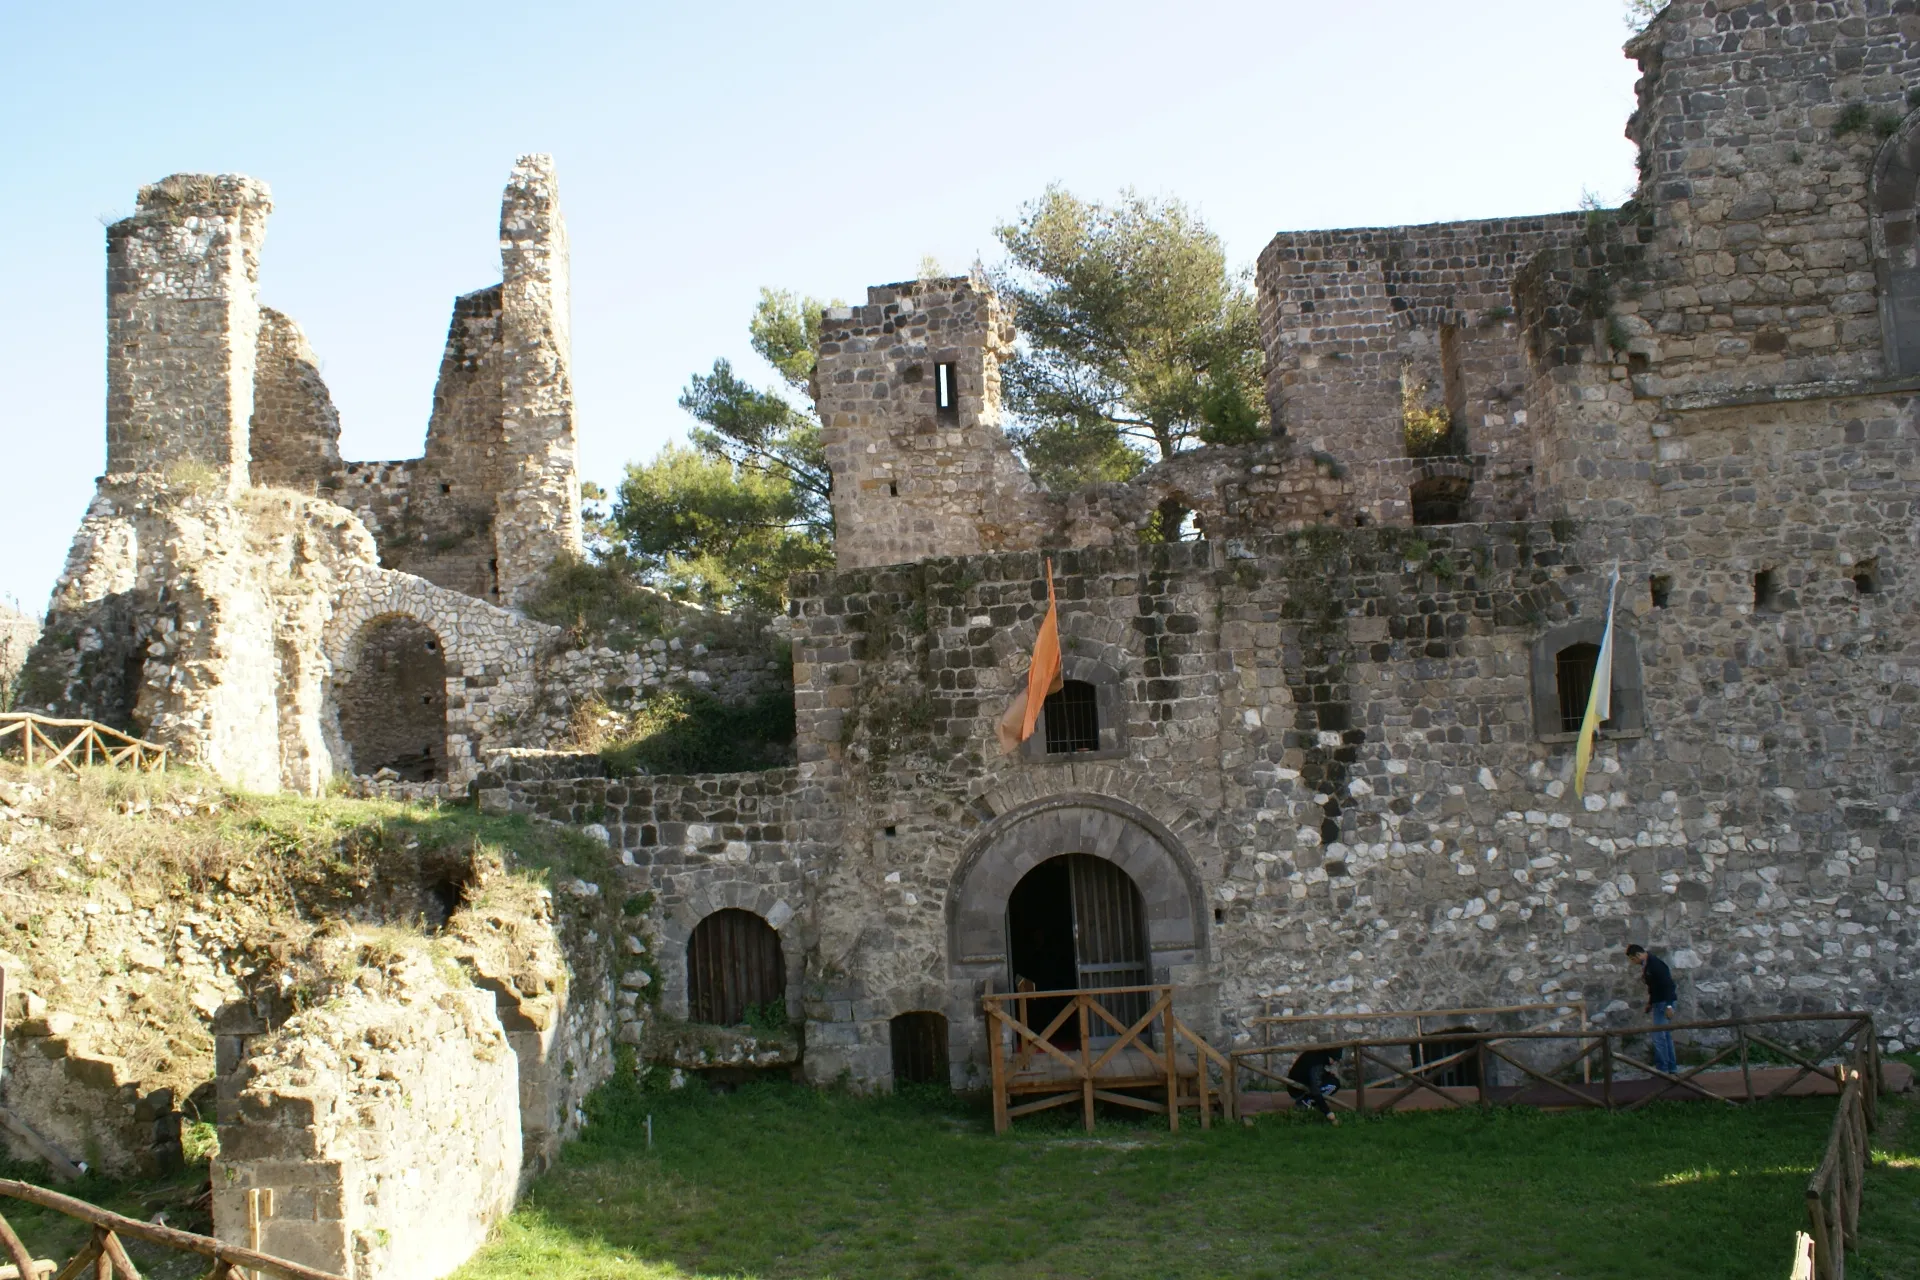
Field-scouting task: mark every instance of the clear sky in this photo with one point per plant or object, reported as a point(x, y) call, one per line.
point(706, 149)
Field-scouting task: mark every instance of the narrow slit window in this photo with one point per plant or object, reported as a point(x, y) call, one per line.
point(1073, 719)
point(946, 390)
point(1661, 587)
point(1766, 590)
point(1573, 669)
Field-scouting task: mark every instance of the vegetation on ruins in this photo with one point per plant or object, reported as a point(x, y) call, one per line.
point(746, 503)
point(775, 1181)
point(682, 731)
point(1137, 340)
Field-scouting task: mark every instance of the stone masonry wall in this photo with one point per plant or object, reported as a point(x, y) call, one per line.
point(697, 845)
point(1343, 724)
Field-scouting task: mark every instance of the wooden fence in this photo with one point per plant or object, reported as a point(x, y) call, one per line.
point(104, 1256)
point(68, 744)
point(1833, 1192)
point(1389, 1071)
point(1099, 1055)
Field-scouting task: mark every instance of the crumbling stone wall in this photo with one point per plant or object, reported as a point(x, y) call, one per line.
point(1359, 323)
point(386, 1123)
point(294, 434)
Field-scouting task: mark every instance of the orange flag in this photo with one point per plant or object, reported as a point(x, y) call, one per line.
point(1043, 678)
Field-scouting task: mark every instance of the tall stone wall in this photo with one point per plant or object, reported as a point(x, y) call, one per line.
point(1360, 323)
point(182, 324)
point(912, 479)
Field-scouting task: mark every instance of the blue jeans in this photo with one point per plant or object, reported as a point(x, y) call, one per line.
point(1661, 1041)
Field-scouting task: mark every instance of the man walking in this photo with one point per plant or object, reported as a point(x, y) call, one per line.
point(1661, 994)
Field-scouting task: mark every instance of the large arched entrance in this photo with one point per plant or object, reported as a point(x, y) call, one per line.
point(1076, 921)
point(393, 708)
point(1075, 891)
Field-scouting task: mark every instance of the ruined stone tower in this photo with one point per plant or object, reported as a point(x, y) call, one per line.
point(233, 573)
point(183, 317)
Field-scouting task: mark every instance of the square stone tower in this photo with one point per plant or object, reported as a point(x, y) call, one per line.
point(183, 318)
point(910, 414)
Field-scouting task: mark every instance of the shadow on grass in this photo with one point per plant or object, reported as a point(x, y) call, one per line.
point(779, 1181)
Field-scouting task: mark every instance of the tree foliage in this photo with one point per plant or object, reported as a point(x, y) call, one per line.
point(1137, 340)
point(747, 501)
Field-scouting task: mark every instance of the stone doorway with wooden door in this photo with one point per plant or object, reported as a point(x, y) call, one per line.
point(1076, 922)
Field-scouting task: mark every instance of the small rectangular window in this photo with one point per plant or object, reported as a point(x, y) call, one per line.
point(1766, 590)
point(1661, 587)
point(946, 390)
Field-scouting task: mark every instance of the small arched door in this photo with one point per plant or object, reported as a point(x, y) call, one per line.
point(1077, 922)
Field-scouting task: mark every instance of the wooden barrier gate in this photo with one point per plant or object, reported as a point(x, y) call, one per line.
point(1142, 1055)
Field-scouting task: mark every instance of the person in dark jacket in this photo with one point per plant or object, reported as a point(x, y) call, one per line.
point(1312, 1071)
point(1661, 995)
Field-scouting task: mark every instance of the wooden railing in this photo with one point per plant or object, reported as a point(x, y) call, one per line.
point(1390, 1070)
point(1833, 1192)
point(105, 1256)
point(1026, 1061)
point(68, 744)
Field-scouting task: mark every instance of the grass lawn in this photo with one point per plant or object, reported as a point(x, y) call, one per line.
point(777, 1181)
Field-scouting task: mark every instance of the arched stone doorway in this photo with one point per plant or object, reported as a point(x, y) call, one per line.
point(1165, 941)
point(393, 708)
point(1076, 921)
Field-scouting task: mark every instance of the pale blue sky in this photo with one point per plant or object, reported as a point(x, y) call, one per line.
point(707, 149)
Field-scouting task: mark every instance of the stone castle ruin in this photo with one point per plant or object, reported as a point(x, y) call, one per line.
point(1318, 759)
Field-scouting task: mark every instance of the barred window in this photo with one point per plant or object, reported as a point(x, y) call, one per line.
point(1073, 718)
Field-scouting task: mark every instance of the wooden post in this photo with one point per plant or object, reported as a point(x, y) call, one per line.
point(1359, 1080)
point(1172, 1050)
point(1746, 1065)
point(1482, 1068)
point(17, 1251)
point(996, 1061)
point(1606, 1069)
point(1200, 1080)
point(259, 1209)
point(1086, 1063)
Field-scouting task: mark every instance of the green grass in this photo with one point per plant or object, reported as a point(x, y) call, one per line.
point(777, 1181)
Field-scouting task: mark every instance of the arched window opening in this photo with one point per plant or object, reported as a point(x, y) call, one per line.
point(734, 966)
point(1563, 663)
point(393, 710)
point(919, 1048)
point(1076, 922)
point(1073, 718)
point(1439, 499)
